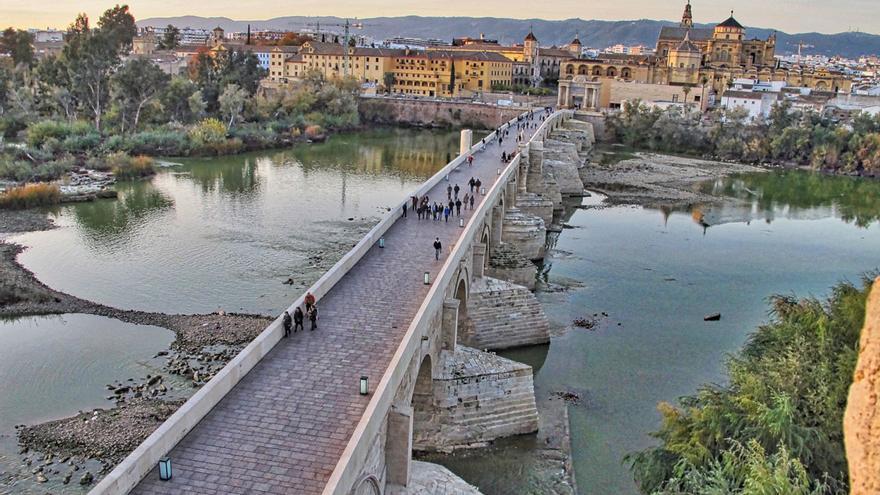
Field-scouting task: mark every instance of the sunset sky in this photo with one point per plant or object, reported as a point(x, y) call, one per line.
point(787, 15)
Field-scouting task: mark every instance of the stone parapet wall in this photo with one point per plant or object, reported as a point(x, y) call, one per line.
point(478, 397)
point(434, 113)
point(502, 315)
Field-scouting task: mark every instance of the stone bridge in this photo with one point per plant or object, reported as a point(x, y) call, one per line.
point(286, 415)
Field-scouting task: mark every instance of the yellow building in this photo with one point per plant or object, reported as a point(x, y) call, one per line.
point(430, 73)
point(364, 64)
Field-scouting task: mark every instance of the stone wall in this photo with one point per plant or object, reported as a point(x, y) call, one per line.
point(433, 479)
point(433, 113)
point(861, 422)
point(503, 315)
point(506, 262)
point(527, 232)
point(478, 397)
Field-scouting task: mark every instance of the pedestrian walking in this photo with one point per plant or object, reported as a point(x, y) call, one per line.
point(465, 200)
point(404, 210)
point(471, 159)
point(478, 183)
point(471, 183)
point(298, 319)
point(437, 248)
point(472, 202)
point(455, 190)
point(287, 323)
point(446, 214)
point(415, 203)
point(458, 207)
point(449, 191)
point(309, 300)
point(313, 317)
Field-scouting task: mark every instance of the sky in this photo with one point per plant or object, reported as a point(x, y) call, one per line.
point(792, 16)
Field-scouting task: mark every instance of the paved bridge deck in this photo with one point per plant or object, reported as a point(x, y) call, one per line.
point(284, 426)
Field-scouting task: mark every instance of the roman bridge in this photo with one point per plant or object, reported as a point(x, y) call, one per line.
point(287, 415)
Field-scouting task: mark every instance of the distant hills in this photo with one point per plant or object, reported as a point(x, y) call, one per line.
point(593, 33)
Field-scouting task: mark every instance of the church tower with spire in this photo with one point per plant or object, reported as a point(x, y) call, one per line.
point(687, 19)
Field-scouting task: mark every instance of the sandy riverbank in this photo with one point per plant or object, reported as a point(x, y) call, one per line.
point(655, 180)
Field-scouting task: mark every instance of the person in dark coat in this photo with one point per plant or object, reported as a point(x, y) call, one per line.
point(437, 248)
point(298, 319)
point(458, 207)
point(313, 317)
point(287, 321)
point(455, 190)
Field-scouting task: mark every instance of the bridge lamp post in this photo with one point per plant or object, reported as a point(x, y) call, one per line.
point(364, 389)
point(427, 278)
point(382, 242)
point(164, 469)
point(461, 222)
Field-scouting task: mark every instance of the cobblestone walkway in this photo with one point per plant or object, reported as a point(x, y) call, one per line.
point(283, 428)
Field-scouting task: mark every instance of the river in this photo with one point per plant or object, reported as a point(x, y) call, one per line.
point(226, 232)
point(657, 274)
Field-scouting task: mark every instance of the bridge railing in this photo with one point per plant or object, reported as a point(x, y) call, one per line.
point(357, 451)
point(128, 473)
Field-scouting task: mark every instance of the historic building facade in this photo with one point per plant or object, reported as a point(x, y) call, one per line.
point(700, 58)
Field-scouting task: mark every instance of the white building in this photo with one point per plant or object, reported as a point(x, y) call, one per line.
point(758, 104)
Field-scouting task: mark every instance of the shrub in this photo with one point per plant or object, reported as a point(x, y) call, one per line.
point(16, 170)
point(81, 143)
point(30, 196)
point(39, 132)
point(54, 169)
point(157, 143)
point(207, 132)
point(313, 131)
point(127, 167)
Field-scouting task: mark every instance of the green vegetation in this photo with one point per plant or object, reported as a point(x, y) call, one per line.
point(29, 196)
point(80, 107)
point(787, 136)
point(777, 427)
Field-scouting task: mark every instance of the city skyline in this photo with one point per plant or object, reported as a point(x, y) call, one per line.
point(823, 17)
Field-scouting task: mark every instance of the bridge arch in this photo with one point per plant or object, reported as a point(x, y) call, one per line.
point(369, 485)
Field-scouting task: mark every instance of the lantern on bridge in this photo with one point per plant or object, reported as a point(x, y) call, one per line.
point(427, 278)
point(382, 242)
point(364, 386)
point(164, 469)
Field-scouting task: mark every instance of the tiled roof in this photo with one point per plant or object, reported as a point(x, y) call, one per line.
point(674, 33)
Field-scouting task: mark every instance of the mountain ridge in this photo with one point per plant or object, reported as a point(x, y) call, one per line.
point(593, 33)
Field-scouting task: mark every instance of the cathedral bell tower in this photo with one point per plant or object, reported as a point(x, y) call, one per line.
point(687, 19)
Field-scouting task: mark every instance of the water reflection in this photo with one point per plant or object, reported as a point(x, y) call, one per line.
point(224, 232)
point(795, 195)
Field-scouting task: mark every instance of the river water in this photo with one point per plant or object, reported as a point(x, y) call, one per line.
point(224, 233)
point(657, 274)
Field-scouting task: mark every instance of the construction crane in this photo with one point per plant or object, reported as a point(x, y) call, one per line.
point(347, 26)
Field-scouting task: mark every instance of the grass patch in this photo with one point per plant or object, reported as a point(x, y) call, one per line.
point(30, 196)
point(128, 167)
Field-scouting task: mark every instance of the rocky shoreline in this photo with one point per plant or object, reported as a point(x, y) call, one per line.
point(80, 448)
point(658, 181)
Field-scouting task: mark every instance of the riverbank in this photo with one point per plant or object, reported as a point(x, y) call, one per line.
point(656, 180)
point(102, 437)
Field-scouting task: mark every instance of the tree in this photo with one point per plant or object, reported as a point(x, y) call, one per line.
point(18, 45)
point(175, 99)
point(137, 83)
point(388, 80)
point(171, 39)
point(91, 57)
point(197, 105)
point(232, 104)
point(119, 26)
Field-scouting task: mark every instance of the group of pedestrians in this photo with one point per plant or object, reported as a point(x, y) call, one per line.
point(295, 322)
